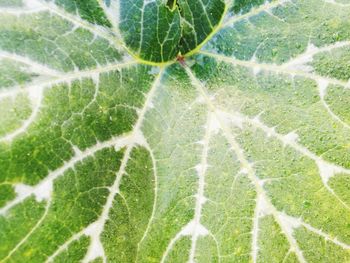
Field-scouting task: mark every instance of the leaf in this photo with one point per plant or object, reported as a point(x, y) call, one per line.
point(111, 151)
point(155, 32)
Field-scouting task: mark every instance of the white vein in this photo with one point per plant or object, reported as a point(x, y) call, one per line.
point(275, 68)
point(33, 6)
point(201, 168)
point(326, 169)
point(322, 88)
point(194, 228)
point(77, 21)
point(155, 176)
point(36, 96)
point(300, 62)
point(19, 12)
point(229, 2)
point(269, 208)
point(336, 3)
point(96, 249)
point(136, 138)
point(95, 229)
point(258, 213)
point(34, 66)
point(206, 14)
point(117, 142)
point(297, 222)
point(183, 232)
point(291, 70)
point(41, 192)
point(265, 7)
point(36, 90)
point(187, 230)
point(285, 139)
point(144, 4)
point(65, 246)
point(112, 13)
point(66, 78)
point(30, 6)
point(248, 167)
point(32, 3)
point(36, 226)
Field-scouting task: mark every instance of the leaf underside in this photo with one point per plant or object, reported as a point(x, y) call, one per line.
point(111, 153)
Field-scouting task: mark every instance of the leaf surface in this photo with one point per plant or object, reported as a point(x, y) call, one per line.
point(111, 151)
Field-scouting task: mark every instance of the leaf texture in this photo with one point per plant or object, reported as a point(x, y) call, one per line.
point(111, 151)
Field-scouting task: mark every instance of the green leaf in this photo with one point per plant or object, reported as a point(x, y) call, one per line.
point(112, 151)
point(157, 31)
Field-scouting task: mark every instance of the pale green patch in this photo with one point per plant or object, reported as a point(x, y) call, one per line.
point(13, 112)
point(14, 73)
